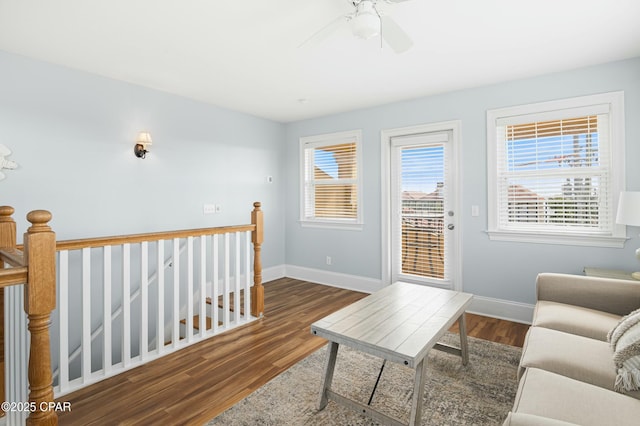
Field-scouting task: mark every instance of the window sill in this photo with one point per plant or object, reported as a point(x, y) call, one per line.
point(332, 225)
point(567, 239)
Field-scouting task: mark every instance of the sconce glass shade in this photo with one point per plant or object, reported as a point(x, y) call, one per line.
point(144, 138)
point(142, 141)
point(629, 208)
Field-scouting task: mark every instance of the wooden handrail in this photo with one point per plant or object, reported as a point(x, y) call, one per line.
point(12, 256)
point(152, 236)
point(13, 276)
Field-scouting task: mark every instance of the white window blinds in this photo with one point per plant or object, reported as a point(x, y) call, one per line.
point(554, 175)
point(331, 190)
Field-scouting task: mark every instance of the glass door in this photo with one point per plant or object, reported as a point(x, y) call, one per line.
point(423, 217)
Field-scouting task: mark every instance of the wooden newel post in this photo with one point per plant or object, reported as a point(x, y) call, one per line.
point(39, 301)
point(7, 240)
point(257, 291)
point(7, 228)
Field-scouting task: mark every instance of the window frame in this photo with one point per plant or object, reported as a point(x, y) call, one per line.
point(330, 139)
point(558, 109)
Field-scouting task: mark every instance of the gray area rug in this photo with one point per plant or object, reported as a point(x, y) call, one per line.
point(482, 393)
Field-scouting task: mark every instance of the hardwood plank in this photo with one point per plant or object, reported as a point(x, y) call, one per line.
point(495, 330)
point(194, 385)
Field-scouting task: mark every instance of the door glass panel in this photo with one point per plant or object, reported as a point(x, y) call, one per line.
point(423, 223)
point(423, 211)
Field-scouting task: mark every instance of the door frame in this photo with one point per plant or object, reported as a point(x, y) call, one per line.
point(455, 127)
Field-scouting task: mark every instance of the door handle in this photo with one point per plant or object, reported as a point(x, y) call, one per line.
point(451, 226)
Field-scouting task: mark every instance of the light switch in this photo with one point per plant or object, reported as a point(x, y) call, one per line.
point(475, 211)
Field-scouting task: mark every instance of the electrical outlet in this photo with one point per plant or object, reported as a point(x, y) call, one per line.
point(328, 260)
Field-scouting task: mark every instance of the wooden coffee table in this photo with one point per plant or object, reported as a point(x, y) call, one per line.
point(399, 323)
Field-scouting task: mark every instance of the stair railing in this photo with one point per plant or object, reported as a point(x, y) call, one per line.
point(117, 312)
point(35, 269)
point(216, 262)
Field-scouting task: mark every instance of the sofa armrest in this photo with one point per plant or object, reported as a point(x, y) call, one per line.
point(603, 294)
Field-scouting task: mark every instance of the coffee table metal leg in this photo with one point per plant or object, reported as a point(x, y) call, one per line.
point(464, 348)
point(418, 390)
point(332, 353)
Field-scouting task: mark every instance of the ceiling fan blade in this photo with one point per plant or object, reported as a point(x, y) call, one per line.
point(395, 36)
point(325, 31)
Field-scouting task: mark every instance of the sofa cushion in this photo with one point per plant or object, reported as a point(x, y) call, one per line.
point(577, 357)
point(574, 319)
point(625, 342)
point(551, 395)
point(521, 419)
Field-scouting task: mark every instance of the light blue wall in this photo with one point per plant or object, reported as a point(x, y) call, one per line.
point(493, 269)
point(72, 134)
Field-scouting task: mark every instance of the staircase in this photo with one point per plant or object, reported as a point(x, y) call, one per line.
point(221, 308)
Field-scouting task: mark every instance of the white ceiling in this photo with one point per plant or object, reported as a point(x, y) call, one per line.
point(244, 55)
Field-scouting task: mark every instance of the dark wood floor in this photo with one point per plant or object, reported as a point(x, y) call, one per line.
point(194, 385)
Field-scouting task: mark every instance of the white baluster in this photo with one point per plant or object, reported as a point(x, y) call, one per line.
point(203, 286)
point(126, 305)
point(176, 293)
point(236, 281)
point(86, 314)
point(106, 316)
point(247, 275)
point(215, 291)
point(144, 295)
point(226, 283)
point(63, 311)
point(160, 325)
point(16, 344)
point(189, 334)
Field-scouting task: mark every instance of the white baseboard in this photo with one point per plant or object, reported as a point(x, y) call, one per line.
point(502, 309)
point(334, 279)
point(487, 306)
point(274, 273)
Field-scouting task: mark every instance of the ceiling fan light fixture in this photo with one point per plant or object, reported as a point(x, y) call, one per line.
point(366, 23)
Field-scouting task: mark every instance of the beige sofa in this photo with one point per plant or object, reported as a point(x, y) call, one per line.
point(567, 372)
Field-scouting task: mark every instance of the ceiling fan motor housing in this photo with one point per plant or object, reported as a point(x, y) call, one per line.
point(366, 22)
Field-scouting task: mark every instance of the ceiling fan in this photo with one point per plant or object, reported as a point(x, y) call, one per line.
point(366, 22)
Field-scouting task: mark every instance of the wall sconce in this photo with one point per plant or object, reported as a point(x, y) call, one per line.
point(142, 141)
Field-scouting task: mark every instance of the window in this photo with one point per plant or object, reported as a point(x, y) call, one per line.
point(556, 170)
point(330, 182)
